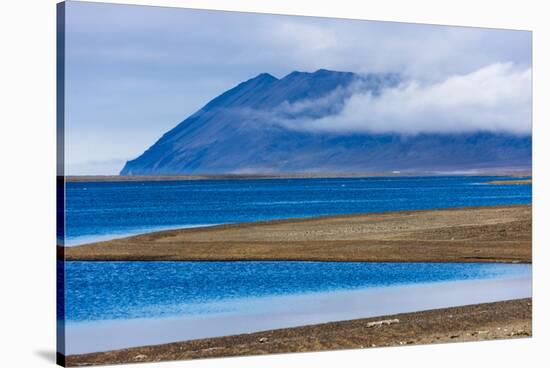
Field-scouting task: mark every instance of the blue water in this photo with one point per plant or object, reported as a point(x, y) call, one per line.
point(96, 211)
point(125, 290)
point(97, 291)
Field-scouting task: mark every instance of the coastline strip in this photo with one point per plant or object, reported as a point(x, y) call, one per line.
point(186, 177)
point(511, 182)
point(471, 234)
point(488, 321)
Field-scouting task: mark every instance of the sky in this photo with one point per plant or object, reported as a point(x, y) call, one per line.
point(134, 72)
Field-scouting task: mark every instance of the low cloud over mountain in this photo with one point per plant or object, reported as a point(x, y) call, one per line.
point(330, 121)
point(496, 98)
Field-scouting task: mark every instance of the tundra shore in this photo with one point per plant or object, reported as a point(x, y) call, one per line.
point(471, 234)
point(489, 321)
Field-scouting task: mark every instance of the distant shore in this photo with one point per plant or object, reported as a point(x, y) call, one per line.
point(118, 178)
point(471, 234)
point(489, 321)
point(511, 182)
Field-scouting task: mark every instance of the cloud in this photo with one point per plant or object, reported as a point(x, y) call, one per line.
point(134, 72)
point(424, 52)
point(495, 98)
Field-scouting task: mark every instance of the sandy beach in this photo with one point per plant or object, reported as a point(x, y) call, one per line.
point(489, 321)
point(473, 234)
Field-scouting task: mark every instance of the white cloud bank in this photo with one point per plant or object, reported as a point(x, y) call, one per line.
point(495, 98)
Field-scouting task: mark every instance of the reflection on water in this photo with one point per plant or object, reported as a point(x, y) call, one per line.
point(270, 312)
point(124, 290)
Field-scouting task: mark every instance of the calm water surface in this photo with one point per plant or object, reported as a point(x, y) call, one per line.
point(126, 290)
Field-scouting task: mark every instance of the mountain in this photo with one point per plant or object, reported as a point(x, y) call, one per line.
point(249, 129)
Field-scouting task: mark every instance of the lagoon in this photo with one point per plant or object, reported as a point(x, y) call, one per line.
point(113, 305)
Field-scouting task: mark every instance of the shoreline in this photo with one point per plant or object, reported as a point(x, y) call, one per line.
point(466, 234)
point(486, 321)
point(91, 239)
point(194, 177)
point(511, 182)
point(260, 313)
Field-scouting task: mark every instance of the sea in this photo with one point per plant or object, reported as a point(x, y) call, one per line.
point(111, 305)
point(106, 210)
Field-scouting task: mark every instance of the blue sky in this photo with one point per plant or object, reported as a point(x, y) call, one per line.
point(134, 72)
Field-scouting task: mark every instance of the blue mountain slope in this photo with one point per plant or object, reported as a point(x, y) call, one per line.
point(238, 132)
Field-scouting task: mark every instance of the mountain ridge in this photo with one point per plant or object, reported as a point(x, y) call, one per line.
point(239, 132)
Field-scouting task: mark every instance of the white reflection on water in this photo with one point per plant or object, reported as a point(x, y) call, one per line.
point(257, 314)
